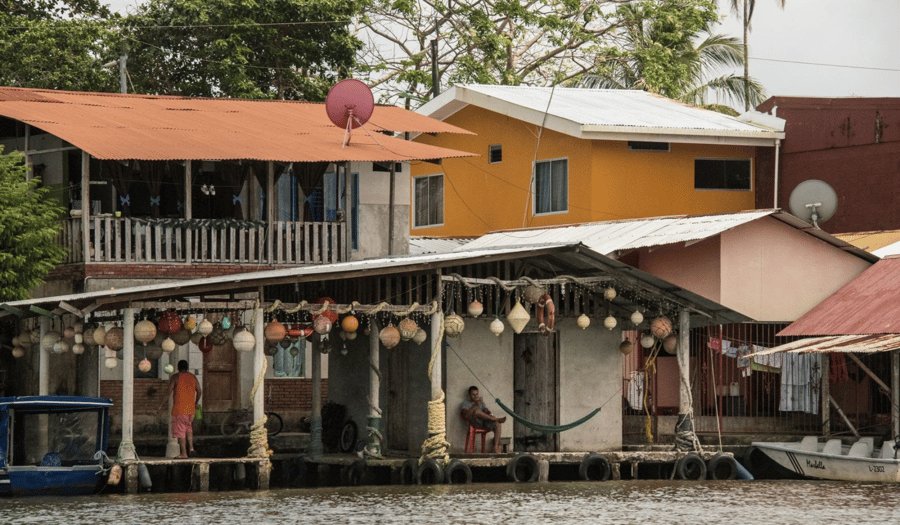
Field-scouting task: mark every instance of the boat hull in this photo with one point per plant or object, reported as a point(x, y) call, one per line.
point(831, 466)
point(52, 481)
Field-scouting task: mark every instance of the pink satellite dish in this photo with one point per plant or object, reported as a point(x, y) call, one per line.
point(349, 105)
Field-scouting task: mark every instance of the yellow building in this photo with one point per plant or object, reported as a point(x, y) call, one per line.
point(552, 156)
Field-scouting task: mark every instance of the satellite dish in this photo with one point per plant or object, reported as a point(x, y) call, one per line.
point(813, 201)
point(349, 105)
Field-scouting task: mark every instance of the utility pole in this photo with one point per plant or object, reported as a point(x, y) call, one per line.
point(123, 85)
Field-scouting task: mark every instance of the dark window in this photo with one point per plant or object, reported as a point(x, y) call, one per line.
point(722, 174)
point(495, 153)
point(551, 186)
point(635, 145)
point(429, 200)
point(386, 167)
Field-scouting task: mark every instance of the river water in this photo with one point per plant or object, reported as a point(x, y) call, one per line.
point(612, 502)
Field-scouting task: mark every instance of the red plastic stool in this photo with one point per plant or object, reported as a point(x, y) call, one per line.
point(470, 439)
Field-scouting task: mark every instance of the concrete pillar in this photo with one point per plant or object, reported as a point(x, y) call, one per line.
point(316, 449)
point(173, 449)
point(126, 448)
point(437, 320)
point(374, 422)
point(259, 364)
point(684, 372)
point(44, 362)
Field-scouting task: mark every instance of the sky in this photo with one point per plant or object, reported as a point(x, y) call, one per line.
point(812, 48)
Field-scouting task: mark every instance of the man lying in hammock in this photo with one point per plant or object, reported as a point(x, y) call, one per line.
point(479, 416)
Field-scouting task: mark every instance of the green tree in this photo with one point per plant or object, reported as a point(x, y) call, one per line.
point(284, 49)
point(483, 41)
point(29, 223)
point(666, 47)
point(745, 9)
point(55, 45)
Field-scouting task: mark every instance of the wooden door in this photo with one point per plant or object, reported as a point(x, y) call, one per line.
point(535, 382)
point(394, 416)
point(220, 381)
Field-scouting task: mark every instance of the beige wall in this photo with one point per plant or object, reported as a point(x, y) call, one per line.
point(773, 272)
point(590, 375)
point(695, 267)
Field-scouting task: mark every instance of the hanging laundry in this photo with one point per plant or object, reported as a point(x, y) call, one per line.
point(800, 377)
point(838, 370)
point(766, 363)
point(715, 343)
point(743, 360)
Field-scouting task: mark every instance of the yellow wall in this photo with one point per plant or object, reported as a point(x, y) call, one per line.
point(606, 180)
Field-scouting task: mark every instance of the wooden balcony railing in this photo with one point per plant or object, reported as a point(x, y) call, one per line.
point(127, 240)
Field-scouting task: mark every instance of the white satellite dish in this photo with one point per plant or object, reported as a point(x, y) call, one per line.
point(813, 201)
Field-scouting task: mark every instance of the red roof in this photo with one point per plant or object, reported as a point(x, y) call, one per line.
point(866, 305)
point(144, 127)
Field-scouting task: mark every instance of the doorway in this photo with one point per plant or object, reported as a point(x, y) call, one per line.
point(536, 390)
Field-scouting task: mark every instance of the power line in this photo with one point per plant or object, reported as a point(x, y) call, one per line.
point(823, 65)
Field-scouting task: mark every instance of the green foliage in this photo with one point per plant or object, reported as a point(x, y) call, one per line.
point(666, 47)
point(29, 223)
point(285, 49)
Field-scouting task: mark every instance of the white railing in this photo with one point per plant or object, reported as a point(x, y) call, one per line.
point(126, 240)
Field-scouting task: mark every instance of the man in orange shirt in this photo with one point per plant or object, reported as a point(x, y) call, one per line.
point(186, 391)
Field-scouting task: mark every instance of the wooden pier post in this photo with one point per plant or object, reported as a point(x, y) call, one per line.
point(262, 475)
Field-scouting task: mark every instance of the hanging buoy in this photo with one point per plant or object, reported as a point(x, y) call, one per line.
point(144, 332)
point(453, 325)
point(497, 326)
point(475, 308)
point(274, 332)
point(144, 477)
point(661, 327)
point(168, 368)
point(167, 345)
point(322, 324)
point(518, 317)
point(610, 322)
point(144, 365)
point(609, 293)
point(350, 323)
point(112, 362)
point(637, 317)
point(625, 347)
point(244, 341)
point(205, 327)
point(583, 321)
point(115, 475)
point(647, 340)
point(407, 328)
point(670, 343)
point(420, 336)
point(545, 308)
point(390, 336)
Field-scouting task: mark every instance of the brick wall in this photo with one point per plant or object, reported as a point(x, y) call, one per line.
point(292, 395)
point(148, 394)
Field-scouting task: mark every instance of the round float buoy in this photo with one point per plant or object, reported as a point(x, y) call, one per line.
point(457, 472)
point(522, 468)
point(594, 467)
point(691, 467)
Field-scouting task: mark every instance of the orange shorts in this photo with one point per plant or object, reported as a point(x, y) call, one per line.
point(181, 425)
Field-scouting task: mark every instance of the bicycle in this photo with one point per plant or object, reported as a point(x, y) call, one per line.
point(240, 421)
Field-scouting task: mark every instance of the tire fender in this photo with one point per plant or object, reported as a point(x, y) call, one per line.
point(522, 468)
point(430, 473)
point(294, 471)
point(722, 467)
point(457, 472)
point(355, 474)
point(691, 467)
point(595, 467)
point(409, 471)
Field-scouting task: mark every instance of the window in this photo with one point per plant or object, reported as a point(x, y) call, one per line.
point(722, 174)
point(495, 154)
point(551, 186)
point(635, 145)
point(429, 197)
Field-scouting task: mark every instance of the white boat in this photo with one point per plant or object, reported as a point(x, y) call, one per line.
point(833, 460)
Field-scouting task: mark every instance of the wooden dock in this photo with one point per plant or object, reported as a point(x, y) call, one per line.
point(298, 470)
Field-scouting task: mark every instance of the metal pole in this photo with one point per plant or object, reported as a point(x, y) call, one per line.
point(683, 353)
point(126, 448)
point(44, 363)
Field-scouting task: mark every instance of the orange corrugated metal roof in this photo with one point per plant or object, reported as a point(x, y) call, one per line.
point(870, 241)
point(119, 127)
point(865, 305)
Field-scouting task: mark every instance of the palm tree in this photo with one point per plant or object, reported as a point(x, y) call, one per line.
point(653, 57)
point(745, 8)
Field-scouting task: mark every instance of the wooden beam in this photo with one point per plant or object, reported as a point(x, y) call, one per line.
point(71, 309)
point(871, 374)
point(12, 309)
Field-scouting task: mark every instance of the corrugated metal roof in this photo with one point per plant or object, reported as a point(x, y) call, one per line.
point(865, 305)
point(865, 344)
point(872, 241)
point(116, 126)
point(574, 257)
point(609, 237)
point(596, 110)
point(421, 245)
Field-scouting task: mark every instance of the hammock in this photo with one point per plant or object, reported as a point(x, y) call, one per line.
point(545, 429)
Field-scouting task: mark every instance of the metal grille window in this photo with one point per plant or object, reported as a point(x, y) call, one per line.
point(495, 153)
point(722, 174)
point(429, 200)
point(551, 186)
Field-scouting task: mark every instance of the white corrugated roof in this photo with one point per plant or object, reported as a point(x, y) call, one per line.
point(597, 113)
point(629, 234)
point(422, 245)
